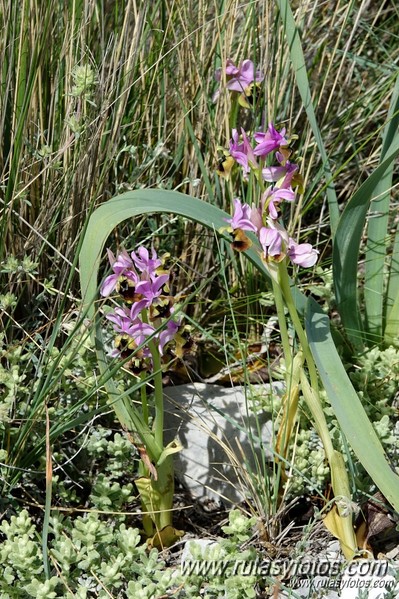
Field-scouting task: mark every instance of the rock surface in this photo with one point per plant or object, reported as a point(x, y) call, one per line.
point(221, 438)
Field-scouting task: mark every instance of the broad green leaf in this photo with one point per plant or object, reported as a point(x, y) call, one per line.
point(302, 80)
point(347, 246)
point(347, 406)
point(377, 230)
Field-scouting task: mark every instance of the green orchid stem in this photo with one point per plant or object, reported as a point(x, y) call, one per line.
point(282, 321)
point(130, 418)
point(156, 496)
point(144, 402)
point(158, 393)
point(312, 399)
point(156, 488)
point(311, 392)
point(158, 387)
point(284, 281)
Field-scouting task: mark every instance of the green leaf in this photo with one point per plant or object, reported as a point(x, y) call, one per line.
point(347, 246)
point(377, 231)
point(302, 80)
point(347, 406)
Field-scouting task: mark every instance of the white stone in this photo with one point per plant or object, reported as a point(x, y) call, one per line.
point(220, 437)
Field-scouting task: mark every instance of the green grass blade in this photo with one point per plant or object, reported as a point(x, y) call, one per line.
point(299, 65)
point(347, 246)
point(197, 150)
point(347, 406)
point(377, 232)
point(26, 73)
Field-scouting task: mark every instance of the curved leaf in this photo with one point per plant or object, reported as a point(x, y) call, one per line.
point(347, 406)
point(377, 230)
point(347, 246)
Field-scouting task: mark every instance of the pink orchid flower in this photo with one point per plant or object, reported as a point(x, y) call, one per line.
point(152, 289)
point(271, 241)
point(122, 266)
point(269, 141)
point(242, 152)
point(167, 335)
point(242, 217)
point(144, 263)
point(273, 196)
point(302, 254)
point(282, 175)
point(238, 78)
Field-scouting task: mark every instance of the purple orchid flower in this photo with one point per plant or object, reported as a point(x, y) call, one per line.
point(140, 331)
point(282, 175)
point(136, 309)
point(124, 319)
point(271, 241)
point(144, 263)
point(123, 267)
point(120, 319)
point(242, 152)
point(256, 217)
point(123, 260)
point(152, 289)
point(302, 254)
point(238, 78)
point(167, 334)
point(269, 141)
point(147, 293)
point(274, 244)
point(273, 196)
point(242, 217)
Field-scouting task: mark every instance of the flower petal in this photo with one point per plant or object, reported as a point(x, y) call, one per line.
point(302, 254)
point(109, 285)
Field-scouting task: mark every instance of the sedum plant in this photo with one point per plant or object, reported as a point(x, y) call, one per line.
point(88, 555)
point(94, 556)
